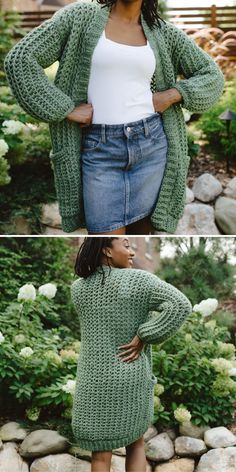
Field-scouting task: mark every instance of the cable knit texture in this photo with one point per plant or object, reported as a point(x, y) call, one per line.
point(114, 401)
point(70, 37)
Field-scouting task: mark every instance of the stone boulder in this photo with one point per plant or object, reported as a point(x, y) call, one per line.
point(60, 463)
point(10, 460)
point(189, 195)
point(225, 214)
point(192, 447)
point(230, 189)
point(43, 442)
point(187, 428)
point(197, 219)
point(179, 465)
point(218, 460)
point(159, 448)
point(219, 437)
point(206, 188)
point(12, 431)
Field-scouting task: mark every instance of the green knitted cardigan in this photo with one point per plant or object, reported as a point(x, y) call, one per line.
point(70, 37)
point(113, 403)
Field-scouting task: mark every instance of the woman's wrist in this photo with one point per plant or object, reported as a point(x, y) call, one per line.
point(174, 95)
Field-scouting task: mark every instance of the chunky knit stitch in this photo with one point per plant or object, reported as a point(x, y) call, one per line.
point(70, 37)
point(114, 401)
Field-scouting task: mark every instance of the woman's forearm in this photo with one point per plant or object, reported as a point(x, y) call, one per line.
point(163, 100)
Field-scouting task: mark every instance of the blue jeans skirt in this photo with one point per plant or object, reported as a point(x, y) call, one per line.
point(122, 168)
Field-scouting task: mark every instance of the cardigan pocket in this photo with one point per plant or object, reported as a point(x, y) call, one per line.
point(179, 188)
point(150, 375)
point(66, 179)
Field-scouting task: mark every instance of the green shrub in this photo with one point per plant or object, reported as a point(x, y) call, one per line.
point(209, 274)
point(37, 363)
point(214, 129)
point(191, 379)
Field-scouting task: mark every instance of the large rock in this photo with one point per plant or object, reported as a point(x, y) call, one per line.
point(60, 463)
point(12, 431)
point(159, 448)
point(180, 465)
point(187, 428)
point(225, 214)
point(10, 460)
point(230, 189)
point(81, 453)
point(50, 215)
point(189, 447)
point(197, 219)
point(218, 460)
point(189, 195)
point(219, 437)
point(42, 442)
point(150, 433)
point(206, 187)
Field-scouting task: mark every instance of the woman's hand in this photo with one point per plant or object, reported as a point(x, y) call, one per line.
point(82, 114)
point(163, 100)
point(134, 349)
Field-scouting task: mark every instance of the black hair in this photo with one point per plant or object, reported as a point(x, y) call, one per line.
point(149, 9)
point(89, 255)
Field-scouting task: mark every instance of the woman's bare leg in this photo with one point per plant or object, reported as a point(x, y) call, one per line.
point(135, 457)
point(143, 226)
point(115, 231)
point(101, 461)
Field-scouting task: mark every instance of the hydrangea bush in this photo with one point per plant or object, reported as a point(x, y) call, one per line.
point(197, 371)
point(37, 363)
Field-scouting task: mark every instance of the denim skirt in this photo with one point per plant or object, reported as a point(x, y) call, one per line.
point(122, 167)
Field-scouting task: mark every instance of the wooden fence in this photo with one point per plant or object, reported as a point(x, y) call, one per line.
point(184, 17)
point(199, 17)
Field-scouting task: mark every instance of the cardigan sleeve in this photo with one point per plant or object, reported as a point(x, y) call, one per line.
point(169, 308)
point(203, 82)
point(24, 65)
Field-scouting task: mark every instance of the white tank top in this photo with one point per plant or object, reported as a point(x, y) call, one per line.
point(119, 83)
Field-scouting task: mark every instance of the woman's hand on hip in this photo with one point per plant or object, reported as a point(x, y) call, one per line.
point(133, 349)
point(82, 114)
point(163, 100)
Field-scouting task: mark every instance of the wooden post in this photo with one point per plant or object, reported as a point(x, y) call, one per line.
point(213, 16)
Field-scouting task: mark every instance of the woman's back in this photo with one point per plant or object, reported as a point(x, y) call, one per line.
point(113, 401)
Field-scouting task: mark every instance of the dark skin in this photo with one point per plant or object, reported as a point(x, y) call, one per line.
point(120, 255)
point(123, 27)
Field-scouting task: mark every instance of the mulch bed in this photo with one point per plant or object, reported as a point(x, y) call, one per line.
point(205, 163)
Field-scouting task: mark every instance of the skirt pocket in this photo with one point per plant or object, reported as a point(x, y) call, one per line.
point(67, 181)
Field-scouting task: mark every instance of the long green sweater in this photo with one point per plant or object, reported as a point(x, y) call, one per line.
point(114, 401)
point(70, 37)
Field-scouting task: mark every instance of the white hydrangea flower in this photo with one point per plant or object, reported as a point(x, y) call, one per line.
point(27, 292)
point(182, 415)
point(26, 352)
point(20, 338)
point(222, 365)
point(232, 372)
point(206, 307)
point(158, 389)
point(48, 290)
point(3, 147)
point(69, 387)
point(188, 337)
point(12, 126)
point(1, 337)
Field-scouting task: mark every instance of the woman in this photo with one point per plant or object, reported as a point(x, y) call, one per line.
point(113, 403)
point(120, 162)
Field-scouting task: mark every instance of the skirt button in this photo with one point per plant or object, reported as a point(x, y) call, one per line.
point(128, 128)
